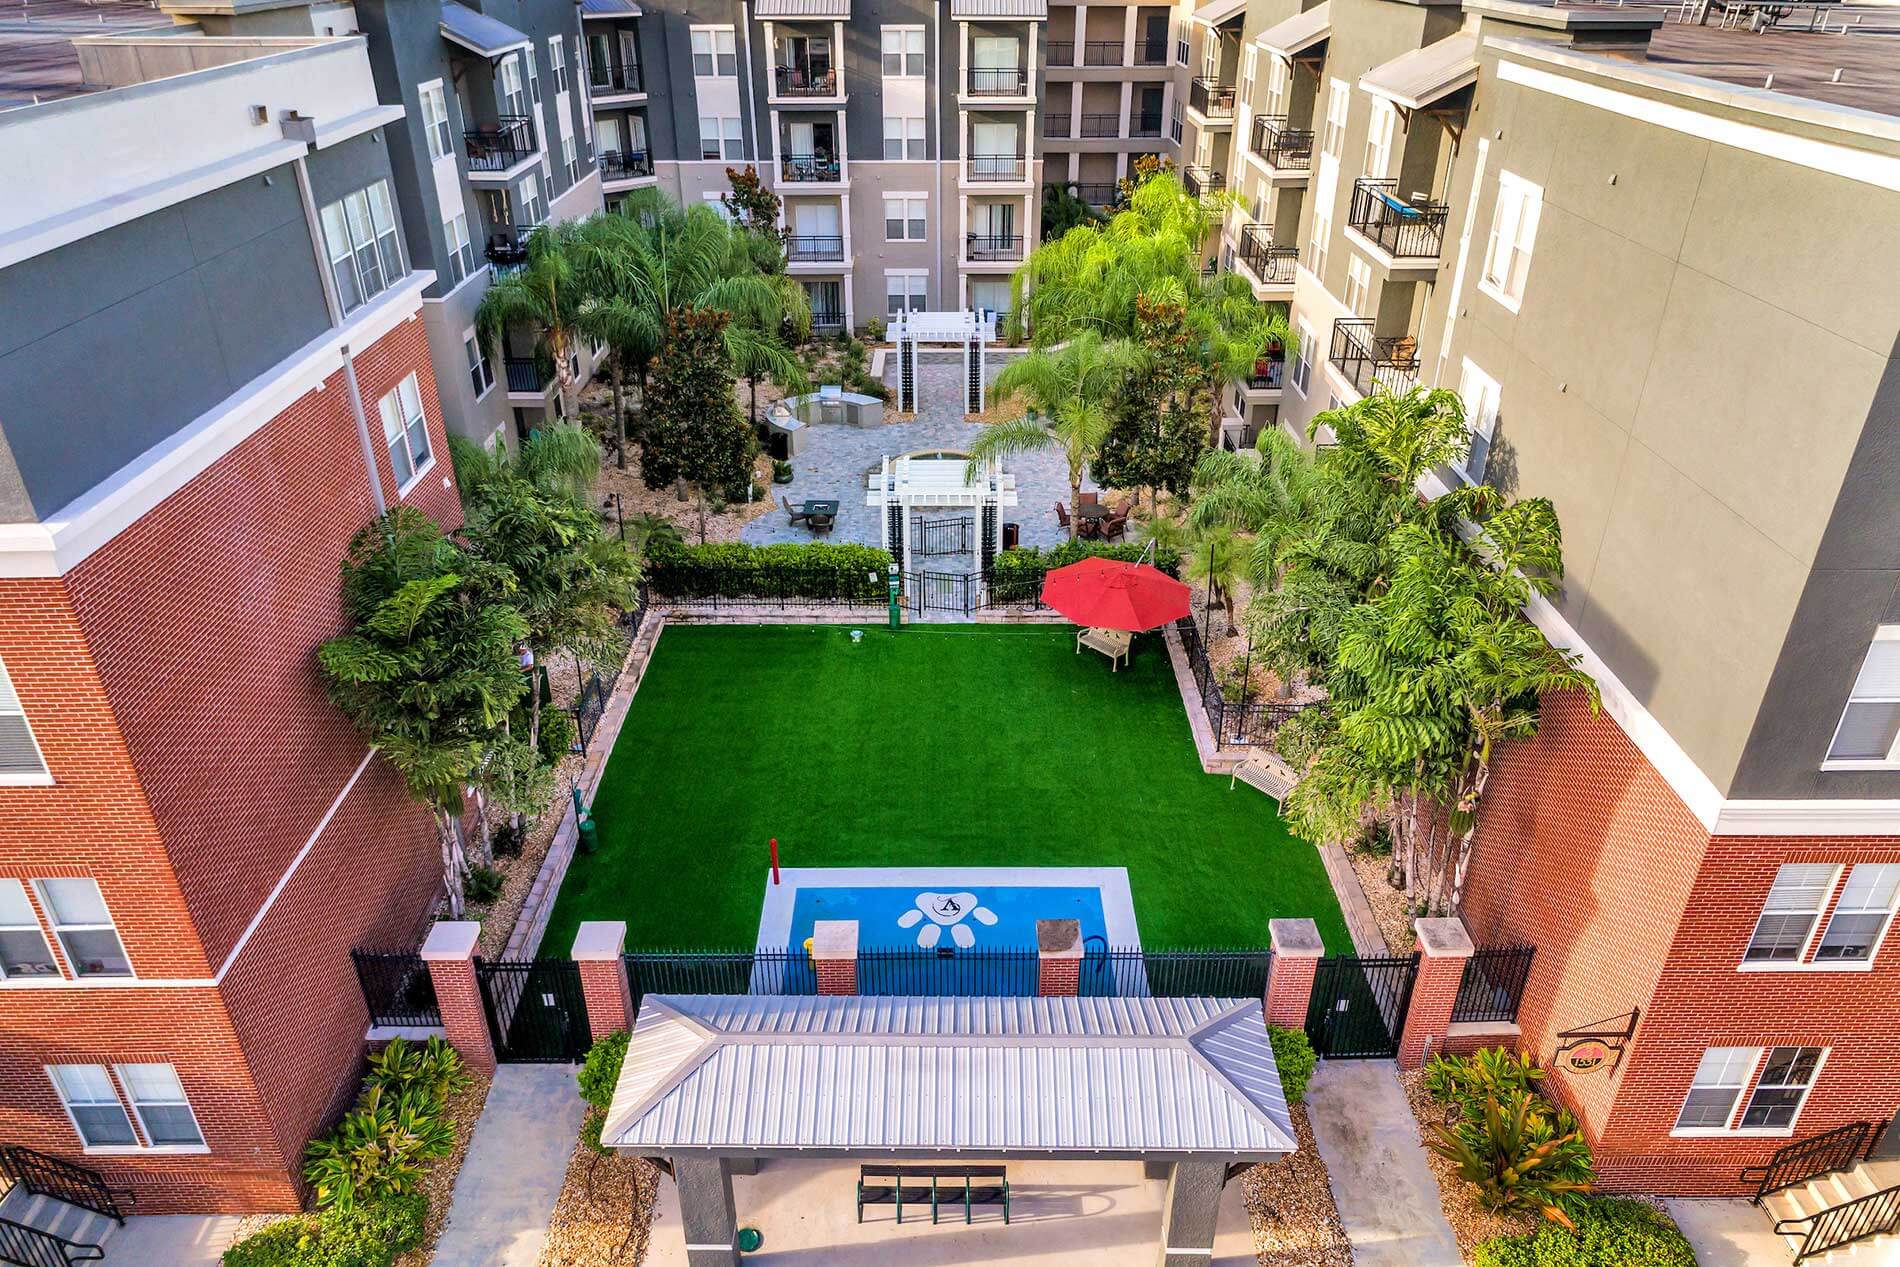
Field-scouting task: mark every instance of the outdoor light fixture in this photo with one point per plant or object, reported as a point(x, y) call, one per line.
point(857, 636)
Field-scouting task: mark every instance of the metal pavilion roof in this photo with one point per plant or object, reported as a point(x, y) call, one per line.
point(986, 1076)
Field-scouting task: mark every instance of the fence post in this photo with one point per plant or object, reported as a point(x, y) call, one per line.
point(598, 945)
point(1296, 954)
point(1444, 948)
point(1058, 958)
point(450, 954)
point(834, 953)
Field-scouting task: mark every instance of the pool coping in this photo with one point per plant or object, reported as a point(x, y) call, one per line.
point(1118, 903)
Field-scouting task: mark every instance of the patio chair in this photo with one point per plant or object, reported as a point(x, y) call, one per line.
point(1062, 514)
point(1087, 499)
point(1115, 526)
point(798, 516)
point(1113, 643)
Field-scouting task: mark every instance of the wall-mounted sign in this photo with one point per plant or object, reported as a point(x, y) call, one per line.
point(1597, 1047)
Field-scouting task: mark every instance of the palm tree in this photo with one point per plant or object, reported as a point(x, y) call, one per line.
point(1238, 332)
point(1067, 390)
point(1215, 559)
point(546, 295)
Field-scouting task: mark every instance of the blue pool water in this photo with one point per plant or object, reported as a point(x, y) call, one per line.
point(949, 917)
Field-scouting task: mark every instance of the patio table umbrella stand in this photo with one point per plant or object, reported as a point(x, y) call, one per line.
point(1113, 594)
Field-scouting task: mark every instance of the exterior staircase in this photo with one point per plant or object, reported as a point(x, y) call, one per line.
point(1835, 1198)
point(43, 1231)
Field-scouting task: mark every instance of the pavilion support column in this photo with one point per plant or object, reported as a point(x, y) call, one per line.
point(834, 955)
point(1190, 1212)
point(707, 1217)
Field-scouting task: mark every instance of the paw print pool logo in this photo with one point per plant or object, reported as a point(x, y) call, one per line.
point(938, 911)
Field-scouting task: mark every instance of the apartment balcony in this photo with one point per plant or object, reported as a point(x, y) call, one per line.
point(827, 318)
point(1211, 99)
point(1096, 193)
point(496, 150)
point(1407, 234)
point(1144, 125)
point(1288, 151)
point(1058, 53)
point(806, 249)
point(1271, 267)
point(1151, 52)
point(1057, 127)
point(810, 169)
point(1006, 81)
point(625, 165)
point(996, 169)
point(1202, 181)
point(615, 81)
point(1367, 360)
point(1267, 379)
point(1098, 126)
point(804, 81)
point(507, 249)
point(525, 376)
point(981, 249)
point(1104, 53)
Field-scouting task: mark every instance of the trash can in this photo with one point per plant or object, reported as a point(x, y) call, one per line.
point(588, 838)
point(1012, 535)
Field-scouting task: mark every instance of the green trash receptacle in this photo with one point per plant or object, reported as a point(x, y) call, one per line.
point(589, 838)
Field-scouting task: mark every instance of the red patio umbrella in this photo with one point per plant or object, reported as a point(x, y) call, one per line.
point(1115, 594)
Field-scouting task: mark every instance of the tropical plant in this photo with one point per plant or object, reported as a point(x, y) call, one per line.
point(1486, 1074)
point(546, 296)
point(1215, 560)
point(1156, 434)
point(694, 436)
point(370, 1235)
point(752, 205)
point(433, 1068)
point(1517, 1158)
point(380, 1148)
point(1066, 388)
point(1293, 1055)
point(428, 671)
point(1063, 209)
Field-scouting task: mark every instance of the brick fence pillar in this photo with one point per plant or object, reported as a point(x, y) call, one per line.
point(598, 945)
point(1296, 954)
point(1444, 947)
point(834, 952)
point(450, 954)
point(1058, 958)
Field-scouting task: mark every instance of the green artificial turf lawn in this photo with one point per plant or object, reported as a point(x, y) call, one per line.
point(975, 745)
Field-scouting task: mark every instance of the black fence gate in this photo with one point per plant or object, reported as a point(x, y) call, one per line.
point(1358, 1007)
point(960, 592)
point(536, 1011)
point(941, 536)
point(587, 712)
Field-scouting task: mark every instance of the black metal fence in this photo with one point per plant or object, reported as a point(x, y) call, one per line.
point(397, 988)
point(1493, 984)
point(1236, 723)
point(952, 535)
point(1369, 360)
point(587, 710)
point(1405, 230)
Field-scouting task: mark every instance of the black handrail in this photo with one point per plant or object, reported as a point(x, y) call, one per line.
point(45, 1175)
point(1202, 180)
point(1144, 125)
point(625, 164)
point(1100, 124)
point(1876, 1214)
point(1213, 99)
point(1367, 359)
point(998, 81)
point(809, 167)
point(397, 988)
point(1102, 53)
point(1150, 52)
point(998, 167)
point(1492, 987)
point(1055, 127)
point(1804, 1159)
point(1404, 230)
point(804, 247)
point(1287, 149)
point(1058, 53)
point(524, 374)
point(1271, 264)
point(806, 81)
point(1097, 193)
point(1006, 246)
point(498, 148)
point(610, 79)
point(30, 1247)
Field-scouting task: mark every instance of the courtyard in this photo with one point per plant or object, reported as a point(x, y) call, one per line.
point(950, 747)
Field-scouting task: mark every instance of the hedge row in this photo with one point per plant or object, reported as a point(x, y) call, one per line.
point(1019, 572)
point(734, 569)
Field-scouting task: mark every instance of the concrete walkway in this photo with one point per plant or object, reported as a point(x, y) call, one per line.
point(505, 1194)
point(1387, 1197)
point(1735, 1233)
point(176, 1240)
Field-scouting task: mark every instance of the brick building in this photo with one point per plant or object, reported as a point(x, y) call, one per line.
point(214, 372)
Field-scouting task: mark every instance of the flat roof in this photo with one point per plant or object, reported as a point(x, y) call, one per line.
point(37, 59)
point(1097, 1077)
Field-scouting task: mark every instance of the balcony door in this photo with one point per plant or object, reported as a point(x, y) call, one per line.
point(817, 220)
point(629, 51)
point(636, 134)
point(995, 221)
point(811, 140)
point(600, 60)
point(513, 100)
point(807, 56)
point(608, 128)
point(995, 53)
point(993, 150)
point(1148, 113)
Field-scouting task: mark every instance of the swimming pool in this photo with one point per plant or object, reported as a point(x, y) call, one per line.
point(948, 915)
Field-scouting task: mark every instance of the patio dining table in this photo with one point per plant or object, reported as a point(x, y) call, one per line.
point(820, 512)
point(1092, 515)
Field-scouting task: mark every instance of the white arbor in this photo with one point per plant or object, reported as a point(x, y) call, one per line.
point(973, 330)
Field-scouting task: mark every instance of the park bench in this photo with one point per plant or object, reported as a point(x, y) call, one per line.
point(1112, 643)
point(1266, 773)
point(968, 1186)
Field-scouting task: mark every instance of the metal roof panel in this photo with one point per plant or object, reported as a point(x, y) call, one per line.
point(1293, 36)
point(1420, 77)
point(478, 32)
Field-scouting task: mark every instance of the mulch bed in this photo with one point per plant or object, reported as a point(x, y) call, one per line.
point(1470, 1223)
point(604, 1213)
point(438, 1181)
point(1389, 905)
point(1295, 1223)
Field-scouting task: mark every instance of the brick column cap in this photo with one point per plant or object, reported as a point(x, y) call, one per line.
point(451, 940)
point(1295, 939)
point(1059, 938)
point(1443, 938)
point(599, 939)
point(834, 939)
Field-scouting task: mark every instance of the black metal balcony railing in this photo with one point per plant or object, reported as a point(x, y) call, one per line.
point(1151, 52)
point(1403, 230)
point(1096, 193)
point(507, 248)
point(1144, 125)
point(827, 318)
point(1202, 180)
point(1368, 360)
point(498, 148)
point(1213, 99)
point(524, 374)
point(611, 79)
point(1056, 127)
point(805, 81)
point(625, 164)
point(999, 247)
point(998, 81)
point(998, 167)
point(805, 248)
point(1102, 53)
point(1269, 373)
point(809, 168)
point(1100, 125)
point(1284, 148)
point(1058, 53)
point(1271, 265)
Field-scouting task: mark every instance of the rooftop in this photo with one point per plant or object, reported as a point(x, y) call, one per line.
point(37, 59)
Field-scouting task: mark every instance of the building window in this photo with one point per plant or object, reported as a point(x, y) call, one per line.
point(903, 219)
point(1174, 121)
point(1379, 139)
point(1327, 187)
point(481, 376)
point(513, 102)
point(20, 759)
point(1785, 1078)
point(570, 160)
point(720, 138)
point(1794, 902)
point(1302, 356)
point(904, 292)
point(1869, 730)
point(406, 432)
point(1507, 258)
point(903, 52)
point(159, 1099)
point(435, 120)
point(461, 251)
point(89, 1097)
point(533, 207)
point(557, 62)
point(1338, 102)
point(903, 137)
point(1479, 391)
point(84, 927)
point(1358, 285)
point(365, 257)
point(1181, 47)
point(24, 952)
point(715, 55)
point(1276, 86)
point(1246, 76)
point(1718, 1083)
point(1860, 915)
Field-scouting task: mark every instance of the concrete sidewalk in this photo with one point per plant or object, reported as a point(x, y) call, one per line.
point(512, 1177)
point(176, 1240)
point(1387, 1196)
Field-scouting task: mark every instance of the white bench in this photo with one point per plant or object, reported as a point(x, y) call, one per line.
point(1267, 773)
point(1112, 643)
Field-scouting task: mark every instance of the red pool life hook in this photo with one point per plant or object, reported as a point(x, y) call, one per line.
point(775, 860)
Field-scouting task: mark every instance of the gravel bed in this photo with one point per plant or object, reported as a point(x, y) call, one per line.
point(438, 1181)
point(1295, 1223)
point(604, 1212)
point(1389, 905)
point(1471, 1223)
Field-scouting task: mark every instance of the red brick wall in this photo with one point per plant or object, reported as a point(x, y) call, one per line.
point(380, 369)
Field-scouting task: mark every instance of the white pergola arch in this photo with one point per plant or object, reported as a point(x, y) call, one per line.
point(974, 330)
point(903, 484)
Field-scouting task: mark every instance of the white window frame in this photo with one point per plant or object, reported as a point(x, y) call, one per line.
point(461, 250)
point(1325, 195)
point(514, 101)
point(11, 709)
point(719, 46)
point(66, 1102)
point(433, 105)
point(1358, 284)
point(1175, 120)
point(570, 159)
point(1182, 52)
point(915, 289)
point(906, 134)
point(1867, 693)
point(1736, 1070)
point(1878, 870)
point(482, 367)
point(913, 213)
point(405, 424)
point(138, 1106)
point(557, 62)
point(1756, 1087)
point(58, 975)
point(896, 41)
point(1513, 238)
point(111, 925)
point(1821, 877)
point(384, 244)
point(1276, 87)
point(1481, 420)
point(534, 205)
point(1247, 66)
point(1302, 375)
point(1379, 131)
point(734, 139)
point(1332, 137)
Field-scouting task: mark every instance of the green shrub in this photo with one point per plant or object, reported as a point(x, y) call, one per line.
point(481, 885)
point(505, 840)
point(367, 1236)
point(874, 329)
point(1293, 1053)
point(557, 735)
point(1520, 1156)
point(599, 1074)
point(1017, 574)
point(781, 471)
point(1610, 1233)
point(1489, 1073)
point(434, 1068)
point(730, 569)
